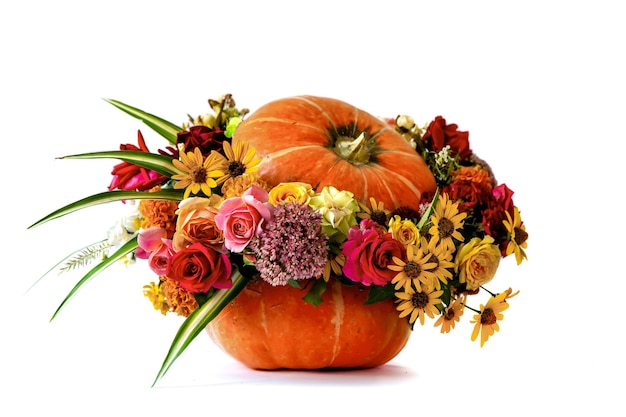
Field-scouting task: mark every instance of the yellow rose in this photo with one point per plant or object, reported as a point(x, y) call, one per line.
point(404, 231)
point(477, 262)
point(285, 192)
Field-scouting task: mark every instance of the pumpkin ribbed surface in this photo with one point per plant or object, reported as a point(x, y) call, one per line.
point(301, 139)
point(268, 327)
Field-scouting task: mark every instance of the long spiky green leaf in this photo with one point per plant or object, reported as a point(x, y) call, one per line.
point(199, 319)
point(155, 162)
point(164, 128)
point(107, 197)
point(121, 252)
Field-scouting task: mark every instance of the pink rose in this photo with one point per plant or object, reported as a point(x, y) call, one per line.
point(159, 258)
point(242, 218)
point(154, 246)
point(198, 268)
point(368, 251)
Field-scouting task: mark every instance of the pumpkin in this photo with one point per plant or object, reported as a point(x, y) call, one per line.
point(323, 141)
point(271, 327)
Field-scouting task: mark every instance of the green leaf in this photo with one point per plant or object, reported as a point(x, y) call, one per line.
point(314, 296)
point(107, 197)
point(155, 162)
point(378, 293)
point(164, 128)
point(429, 211)
point(121, 252)
point(199, 319)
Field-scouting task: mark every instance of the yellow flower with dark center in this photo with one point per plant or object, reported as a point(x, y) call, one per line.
point(447, 221)
point(241, 159)
point(517, 235)
point(375, 212)
point(199, 173)
point(333, 265)
point(416, 271)
point(451, 315)
point(486, 321)
point(441, 256)
point(419, 303)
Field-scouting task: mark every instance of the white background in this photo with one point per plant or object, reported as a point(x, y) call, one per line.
point(539, 85)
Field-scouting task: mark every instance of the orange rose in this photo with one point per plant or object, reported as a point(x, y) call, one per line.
point(196, 223)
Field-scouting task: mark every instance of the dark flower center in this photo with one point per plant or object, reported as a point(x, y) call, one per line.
point(379, 217)
point(446, 228)
point(420, 300)
point(488, 317)
point(199, 175)
point(236, 168)
point(520, 235)
point(412, 269)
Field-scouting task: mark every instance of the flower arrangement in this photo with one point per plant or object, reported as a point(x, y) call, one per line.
point(207, 224)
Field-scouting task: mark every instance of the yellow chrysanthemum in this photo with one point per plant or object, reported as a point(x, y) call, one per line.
point(517, 232)
point(416, 271)
point(154, 293)
point(199, 173)
point(418, 303)
point(486, 322)
point(451, 315)
point(241, 159)
point(447, 221)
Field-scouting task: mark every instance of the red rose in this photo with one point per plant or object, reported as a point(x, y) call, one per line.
point(202, 137)
point(198, 268)
point(368, 252)
point(439, 134)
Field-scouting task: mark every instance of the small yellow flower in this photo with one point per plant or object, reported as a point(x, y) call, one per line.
point(333, 265)
point(375, 212)
point(420, 303)
point(198, 173)
point(486, 322)
point(451, 315)
point(153, 292)
point(416, 271)
point(517, 232)
point(447, 221)
point(442, 257)
point(242, 159)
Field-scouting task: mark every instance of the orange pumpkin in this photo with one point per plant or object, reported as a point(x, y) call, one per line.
point(267, 327)
point(323, 141)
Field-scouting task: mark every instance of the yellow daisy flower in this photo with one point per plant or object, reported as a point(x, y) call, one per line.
point(333, 265)
point(451, 315)
point(442, 257)
point(198, 174)
point(517, 232)
point(376, 212)
point(418, 303)
point(486, 321)
point(241, 159)
point(417, 270)
point(447, 221)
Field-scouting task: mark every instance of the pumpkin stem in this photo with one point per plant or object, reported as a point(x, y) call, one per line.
point(354, 150)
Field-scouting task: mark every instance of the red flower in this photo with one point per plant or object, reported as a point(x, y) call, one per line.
point(198, 268)
point(439, 134)
point(202, 137)
point(127, 176)
point(368, 251)
point(494, 215)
